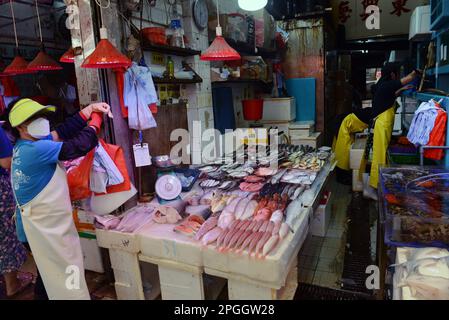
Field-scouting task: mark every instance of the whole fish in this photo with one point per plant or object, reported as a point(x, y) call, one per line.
point(270, 245)
point(236, 236)
point(277, 216)
point(208, 225)
point(240, 209)
point(249, 210)
point(283, 231)
point(258, 250)
point(277, 227)
point(242, 239)
point(248, 241)
point(254, 242)
point(211, 236)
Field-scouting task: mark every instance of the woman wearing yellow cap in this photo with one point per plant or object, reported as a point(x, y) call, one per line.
point(44, 215)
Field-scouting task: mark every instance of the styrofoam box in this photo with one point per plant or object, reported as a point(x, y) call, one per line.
point(279, 109)
point(313, 140)
point(281, 125)
point(321, 218)
point(356, 153)
point(301, 128)
point(91, 252)
point(118, 240)
point(357, 185)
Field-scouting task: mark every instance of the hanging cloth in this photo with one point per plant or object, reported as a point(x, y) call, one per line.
point(120, 80)
point(423, 123)
point(438, 135)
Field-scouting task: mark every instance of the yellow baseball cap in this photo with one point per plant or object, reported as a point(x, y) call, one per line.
point(25, 109)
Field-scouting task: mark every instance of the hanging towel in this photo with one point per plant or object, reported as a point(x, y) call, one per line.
point(423, 123)
point(139, 94)
point(103, 161)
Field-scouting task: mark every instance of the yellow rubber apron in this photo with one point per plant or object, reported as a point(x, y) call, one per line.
point(54, 241)
point(383, 129)
point(350, 125)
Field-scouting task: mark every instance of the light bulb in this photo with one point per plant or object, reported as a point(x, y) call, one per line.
point(252, 5)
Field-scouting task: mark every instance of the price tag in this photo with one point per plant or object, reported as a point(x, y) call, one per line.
point(142, 156)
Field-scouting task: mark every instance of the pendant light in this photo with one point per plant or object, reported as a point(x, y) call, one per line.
point(219, 50)
point(68, 56)
point(252, 5)
point(18, 64)
point(105, 55)
point(42, 62)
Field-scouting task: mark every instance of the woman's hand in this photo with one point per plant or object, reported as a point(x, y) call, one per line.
point(100, 107)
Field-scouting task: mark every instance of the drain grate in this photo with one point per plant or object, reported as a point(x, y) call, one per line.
point(311, 292)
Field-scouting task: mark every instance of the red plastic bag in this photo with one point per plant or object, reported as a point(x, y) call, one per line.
point(117, 155)
point(437, 137)
point(78, 178)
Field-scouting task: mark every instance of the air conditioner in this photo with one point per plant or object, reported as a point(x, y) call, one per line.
point(420, 24)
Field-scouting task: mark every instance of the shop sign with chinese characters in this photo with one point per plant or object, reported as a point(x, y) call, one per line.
point(374, 18)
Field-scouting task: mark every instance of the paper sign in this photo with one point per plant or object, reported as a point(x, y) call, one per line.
point(142, 156)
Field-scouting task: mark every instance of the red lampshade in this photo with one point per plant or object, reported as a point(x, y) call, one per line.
point(43, 62)
point(106, 56)
point(220, 50)
point(68, 56)
point(18, 66)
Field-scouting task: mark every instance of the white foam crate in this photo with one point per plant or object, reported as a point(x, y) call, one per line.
point(356, 153)
point(357, 184)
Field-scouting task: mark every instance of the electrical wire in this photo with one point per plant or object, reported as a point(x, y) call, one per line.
point(38, 20)
point(98, 2)
point(14, 23)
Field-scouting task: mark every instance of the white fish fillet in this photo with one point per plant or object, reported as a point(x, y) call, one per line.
point(232, 205)
point(208, 225)
point(277, 216)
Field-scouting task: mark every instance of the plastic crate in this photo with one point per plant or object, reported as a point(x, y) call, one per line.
point(414, 216)
point(439, 14)
point(407, 159)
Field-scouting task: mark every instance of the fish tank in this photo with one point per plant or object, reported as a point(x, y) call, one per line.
point(415, 206)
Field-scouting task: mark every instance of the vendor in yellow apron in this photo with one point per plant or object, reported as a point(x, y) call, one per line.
point(44, 215)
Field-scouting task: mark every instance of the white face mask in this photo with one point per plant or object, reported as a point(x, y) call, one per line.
point(39, 128)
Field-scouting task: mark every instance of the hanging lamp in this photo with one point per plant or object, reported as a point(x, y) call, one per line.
point(19, 64)
point(68, 56)
point(219, 50)
point(252, 5)
point(105, 55)
point(42, 62)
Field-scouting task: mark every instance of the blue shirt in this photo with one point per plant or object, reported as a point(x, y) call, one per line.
point(5, 148)
point(33, 165)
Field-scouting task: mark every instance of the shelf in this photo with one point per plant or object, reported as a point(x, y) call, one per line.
point(441, 70)
point(245, 49)
point(176, 81)
point(182, 52)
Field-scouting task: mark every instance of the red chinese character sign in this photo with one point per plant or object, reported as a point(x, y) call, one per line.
point(373, 18)
point(344, 11)
point(399, 7)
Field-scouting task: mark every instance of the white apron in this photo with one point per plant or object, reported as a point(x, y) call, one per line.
point(54, 241)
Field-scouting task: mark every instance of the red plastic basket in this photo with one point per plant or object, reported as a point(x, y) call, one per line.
point(252, 109)
point(155, 35)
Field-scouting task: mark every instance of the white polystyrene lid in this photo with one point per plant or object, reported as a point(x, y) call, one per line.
point(168, 187)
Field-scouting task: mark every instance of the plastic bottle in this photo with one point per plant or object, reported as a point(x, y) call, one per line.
point(170, 68)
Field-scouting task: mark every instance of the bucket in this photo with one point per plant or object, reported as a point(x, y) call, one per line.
point(252, 109)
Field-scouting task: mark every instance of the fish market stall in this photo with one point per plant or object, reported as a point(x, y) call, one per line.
point(414, 215)
point(241, 222)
